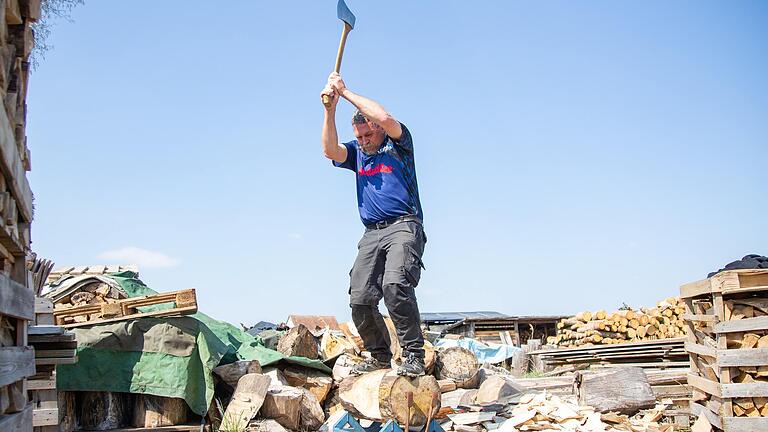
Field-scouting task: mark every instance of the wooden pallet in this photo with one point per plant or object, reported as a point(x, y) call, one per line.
point(185, 303)
point(710, 305)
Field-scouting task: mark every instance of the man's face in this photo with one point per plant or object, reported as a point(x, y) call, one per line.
point(369, 136)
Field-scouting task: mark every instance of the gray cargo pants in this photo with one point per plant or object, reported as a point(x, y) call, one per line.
point(388, 266)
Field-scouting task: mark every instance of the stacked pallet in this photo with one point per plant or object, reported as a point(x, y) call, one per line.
point(53, 346)
point(727, 321)
point(104, 306)
point(16, 297)
point(623, 326)
point(660, 354)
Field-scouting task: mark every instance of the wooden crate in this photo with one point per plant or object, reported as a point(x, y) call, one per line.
point(727, 321)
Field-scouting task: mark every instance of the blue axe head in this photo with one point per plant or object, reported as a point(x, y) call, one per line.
point(345, 14)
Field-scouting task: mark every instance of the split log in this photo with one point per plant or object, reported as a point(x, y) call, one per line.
point(446, 385)
point(250, 392)
point(282, 404)
point(276, 377)
point(458, 364)
point(311, 379)
point(496, 389)
point(264, 425)
point(105, 410)
point(294, 408)
point(332, 346)
point(458, 398)
point(298, 342)
point(343, 367)
point(625, 390)
point(151, 411)
point(381, 395)
point(231, 373)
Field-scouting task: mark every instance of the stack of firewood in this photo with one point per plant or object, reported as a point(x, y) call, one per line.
point(661, 322)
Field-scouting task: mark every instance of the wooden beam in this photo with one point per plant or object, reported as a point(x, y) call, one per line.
point(700, 349)
point(16, 363)
point(739, 424)
point(695, 289)
point(742, 357)
point(742, 325)
point(705, 385)
point(45, 417)
point(13, 169)
point(700, 410)
point(17, 300)
point(745, 390)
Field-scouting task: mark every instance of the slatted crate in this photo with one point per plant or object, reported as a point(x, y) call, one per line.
point(727, 321)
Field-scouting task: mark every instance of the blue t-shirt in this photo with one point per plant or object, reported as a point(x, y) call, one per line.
point(386, 180)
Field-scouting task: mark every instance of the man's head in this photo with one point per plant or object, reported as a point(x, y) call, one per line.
point(369, 135)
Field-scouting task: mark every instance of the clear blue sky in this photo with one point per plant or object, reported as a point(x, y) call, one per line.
point(570, 155)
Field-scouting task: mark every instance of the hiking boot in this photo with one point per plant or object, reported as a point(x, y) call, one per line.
point(369, 365)
point(412, 366)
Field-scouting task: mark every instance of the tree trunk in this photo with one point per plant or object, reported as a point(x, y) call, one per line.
point(625, 390)
point(381, 395)
point(458, 364)
point(298, 342)
point(105, 410)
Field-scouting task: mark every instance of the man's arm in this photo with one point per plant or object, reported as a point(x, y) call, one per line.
point(330, 137)
point(370, 108)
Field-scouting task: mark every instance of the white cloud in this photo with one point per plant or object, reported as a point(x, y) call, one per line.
point(295, 236)
point(141, 257)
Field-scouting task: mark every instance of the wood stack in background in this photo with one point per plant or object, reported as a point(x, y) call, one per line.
point(727, 321)
point(53, 346)
point(623, 326)
point(16, 296)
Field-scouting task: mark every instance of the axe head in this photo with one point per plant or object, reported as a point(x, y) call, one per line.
point(345, 14)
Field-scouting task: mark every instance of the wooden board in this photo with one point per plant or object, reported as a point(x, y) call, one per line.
point(16, 363)
point(17, 300)
point(742, 325)
point(45, 417)
point(745, 424)
point(15, 174)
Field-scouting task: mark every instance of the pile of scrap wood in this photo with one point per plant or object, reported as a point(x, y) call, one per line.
point(457, 391)
point(90, 298)
point(623, 326)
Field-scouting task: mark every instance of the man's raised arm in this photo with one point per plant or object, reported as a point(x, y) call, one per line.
point(370, 108)
point(330, 137)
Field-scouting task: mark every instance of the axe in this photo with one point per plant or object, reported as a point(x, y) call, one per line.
point(346, 16)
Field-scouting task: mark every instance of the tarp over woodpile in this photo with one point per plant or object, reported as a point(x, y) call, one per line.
point(170, 357)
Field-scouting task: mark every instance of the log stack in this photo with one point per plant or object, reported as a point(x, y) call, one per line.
point(17, 361)
point(727, 321)
point(587, 328)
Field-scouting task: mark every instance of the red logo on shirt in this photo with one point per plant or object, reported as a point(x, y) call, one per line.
point(378, 169)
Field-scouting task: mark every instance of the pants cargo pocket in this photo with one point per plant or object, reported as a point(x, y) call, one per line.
point(412, 267)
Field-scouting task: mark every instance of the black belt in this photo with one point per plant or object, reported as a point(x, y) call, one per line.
point(389, 222)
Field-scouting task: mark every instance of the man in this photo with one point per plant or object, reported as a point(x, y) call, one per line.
point(388, 263)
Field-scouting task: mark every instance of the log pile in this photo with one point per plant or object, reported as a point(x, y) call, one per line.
point(727, 321)
point(17, 361)
point(586, 328)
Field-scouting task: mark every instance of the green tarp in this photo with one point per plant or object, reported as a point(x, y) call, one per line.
point(171, 356)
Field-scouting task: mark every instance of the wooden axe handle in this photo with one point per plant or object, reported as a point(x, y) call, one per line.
point(339, 55)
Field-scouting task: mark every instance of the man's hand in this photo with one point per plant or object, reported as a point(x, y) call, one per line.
point(332, 95)
point(337, 84)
